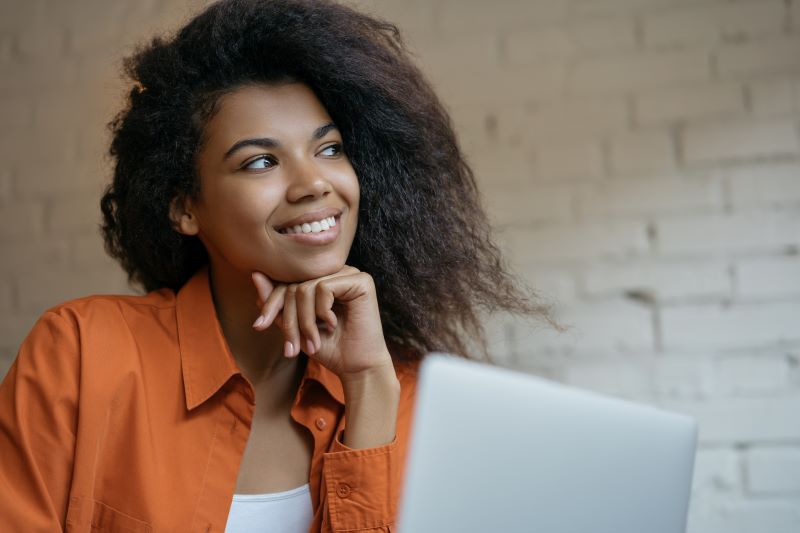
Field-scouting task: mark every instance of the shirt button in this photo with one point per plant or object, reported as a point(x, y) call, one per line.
point(343, 490)
point(321, 423)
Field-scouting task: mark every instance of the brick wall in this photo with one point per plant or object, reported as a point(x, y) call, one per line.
point(640, 159)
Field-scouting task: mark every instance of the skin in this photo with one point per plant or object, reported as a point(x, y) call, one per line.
point(273, 294)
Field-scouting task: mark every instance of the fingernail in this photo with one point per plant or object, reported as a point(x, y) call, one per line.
point(310, 346)
point(259, 321)
point(288, 349)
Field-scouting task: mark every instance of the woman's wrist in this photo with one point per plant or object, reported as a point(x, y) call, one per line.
point(372, 398)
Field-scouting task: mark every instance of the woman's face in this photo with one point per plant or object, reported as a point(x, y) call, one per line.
point(272, 166)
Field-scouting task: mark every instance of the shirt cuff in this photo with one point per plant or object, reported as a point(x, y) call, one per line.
point(362, 485)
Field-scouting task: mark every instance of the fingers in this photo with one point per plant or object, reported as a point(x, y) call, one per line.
point(306, 317)
point(313, 303)
point(270, 299)
point(263, 285)
point(291, 331)
point(271, 308)
point(324, 305)
point(295, 308)
point(350, 287)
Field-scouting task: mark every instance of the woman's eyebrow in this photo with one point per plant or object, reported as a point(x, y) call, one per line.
point(268, 142)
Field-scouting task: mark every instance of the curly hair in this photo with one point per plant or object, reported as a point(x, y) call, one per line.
point(422, 233)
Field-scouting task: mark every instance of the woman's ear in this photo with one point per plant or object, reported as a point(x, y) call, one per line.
point(182, 216)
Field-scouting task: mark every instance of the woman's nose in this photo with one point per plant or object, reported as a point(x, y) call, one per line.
point(307, 183)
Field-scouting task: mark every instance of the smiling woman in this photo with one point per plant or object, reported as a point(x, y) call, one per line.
point(271, 158)
point(290, 193)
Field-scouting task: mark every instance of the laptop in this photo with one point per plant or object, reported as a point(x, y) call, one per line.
point(495, 450)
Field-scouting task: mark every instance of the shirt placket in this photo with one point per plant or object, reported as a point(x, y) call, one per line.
point(234, 417)
point(320, 414)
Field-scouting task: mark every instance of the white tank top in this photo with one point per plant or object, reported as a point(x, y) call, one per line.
point(275, 512)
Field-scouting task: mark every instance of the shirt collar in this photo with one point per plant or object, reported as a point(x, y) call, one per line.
point(206, 360)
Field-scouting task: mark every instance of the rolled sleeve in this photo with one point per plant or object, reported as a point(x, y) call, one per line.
point(362, 486)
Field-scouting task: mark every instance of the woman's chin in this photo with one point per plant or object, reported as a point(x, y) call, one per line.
point(305, 274)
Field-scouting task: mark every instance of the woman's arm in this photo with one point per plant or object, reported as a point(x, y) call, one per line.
point(362, 486)
point(38, 424)
point(371, 402)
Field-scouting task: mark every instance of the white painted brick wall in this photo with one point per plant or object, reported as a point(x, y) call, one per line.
point(639, 71)
point(501, 167)
point(642, 197)
point(751, 375)
point(643, 152)
point(5, 186)
point(773, 469)
point(596, 329)
point(686, 104)
point(751, 231)
point(571, 40)
point(739, 515)
point(639, 158)
point(663, 281)
point(773, 57)
point(773, 97)
point(716, 470)
point(695, 25)
point(768, 278)
point(685, 377)
point(756, 420)
point(717, 325)
point(560, 161)
point(737, 140)
point(613, 376)
point(21, 221)
point(775, 185)
point(576, 242)
point(565, 120)
point(539, 204)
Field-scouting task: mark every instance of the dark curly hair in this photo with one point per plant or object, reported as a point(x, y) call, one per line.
point(422, 233)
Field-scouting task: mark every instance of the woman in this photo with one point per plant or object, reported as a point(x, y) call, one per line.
point(290, 193)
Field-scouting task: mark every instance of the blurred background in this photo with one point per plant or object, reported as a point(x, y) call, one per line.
point(640, 160)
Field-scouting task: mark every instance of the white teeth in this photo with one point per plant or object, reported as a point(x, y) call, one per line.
point(313, 227)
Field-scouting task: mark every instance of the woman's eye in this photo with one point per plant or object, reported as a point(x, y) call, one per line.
point(336, 147)
point(259, 163)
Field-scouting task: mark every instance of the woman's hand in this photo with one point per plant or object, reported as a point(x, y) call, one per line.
point(334, 319)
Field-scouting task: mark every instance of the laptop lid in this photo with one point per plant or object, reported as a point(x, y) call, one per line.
point(494, 450)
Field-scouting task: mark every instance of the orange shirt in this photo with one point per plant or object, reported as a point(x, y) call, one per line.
point(129, 413)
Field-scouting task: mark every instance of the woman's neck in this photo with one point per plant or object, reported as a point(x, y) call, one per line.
point(259, 354)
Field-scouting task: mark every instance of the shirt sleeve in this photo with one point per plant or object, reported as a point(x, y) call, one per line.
point(363, 486)
point(38, 423)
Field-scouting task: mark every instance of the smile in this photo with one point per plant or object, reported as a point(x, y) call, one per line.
point(315, 226)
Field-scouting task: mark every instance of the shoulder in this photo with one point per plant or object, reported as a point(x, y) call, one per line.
point(106, 310)
point(101, 304)
point(72, 325)
point(96, 337)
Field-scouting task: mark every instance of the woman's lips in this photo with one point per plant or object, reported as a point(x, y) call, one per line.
point(323, 237)
point(311, 216)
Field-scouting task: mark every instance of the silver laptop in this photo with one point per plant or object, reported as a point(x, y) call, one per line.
point(493, 450)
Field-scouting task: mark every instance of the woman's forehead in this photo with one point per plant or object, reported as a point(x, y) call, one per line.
point(289, 111)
